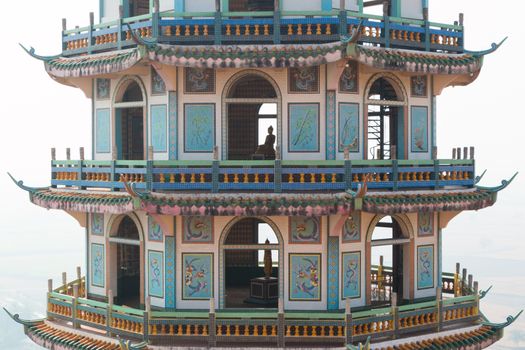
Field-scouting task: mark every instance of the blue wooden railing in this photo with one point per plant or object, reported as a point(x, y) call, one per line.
point(264, 176)
point(218, 28)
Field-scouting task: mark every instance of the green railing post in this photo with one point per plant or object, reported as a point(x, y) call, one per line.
point(155, 27)
point(149, 169)
point(276, 23)
point(109, 308)
point(386, 23)
point(280, 323)
point(90, 32)
point(349, 336)
point(53, 159)
point(215, 171)
point(64, 28)
point(145, 320)
point(277, 176)
point(343, 20)
point(395, 316)
point(395, 174)
point(74, 303)
point(49, 291)
point(212, 329)
point(119, 24)
point(112, 174)
point(217, 34)
point(348, 174)
point(435, 176)
point(439, 309)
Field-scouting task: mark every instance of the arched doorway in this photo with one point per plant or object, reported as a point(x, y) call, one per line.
point(130, 120)
point(126, 272)
point(385, 107)
point(389, 260)
point(245, 246)
point(251, 101)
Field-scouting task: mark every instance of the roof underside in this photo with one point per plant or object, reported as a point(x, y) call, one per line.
point(246, 204)
point(265, 56)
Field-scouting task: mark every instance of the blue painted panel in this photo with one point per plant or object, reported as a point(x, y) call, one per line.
point(351, 271)
point(159, 128)
point(97, 265)
point(425, 267)
point(102, 133)
point(179, 5)
point(118, 132)
point(97, 224)
point(349, 126)
point(419, 129)
point(173, 128)
point(326, 5)
point(303, 127)
point(199, 128)
point(198, 276)
point(425, 224)
point(333, 273)
point(170, 272)
point(155, 274)
point(305, 277)
point(330, 125)
point(400, 134)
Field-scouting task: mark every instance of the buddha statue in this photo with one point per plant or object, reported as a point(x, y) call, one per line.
point(267, 149)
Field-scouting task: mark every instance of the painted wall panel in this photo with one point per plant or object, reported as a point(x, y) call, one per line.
point(159, 128)
point(412, 9)
point(155, 274)
point(98, 271)
point(333, 273)
point(170, 272)
point(349, 5)
point(102, 133)
point(199, 6)
point(173, 126)
point(300, 5)
point(419, 129)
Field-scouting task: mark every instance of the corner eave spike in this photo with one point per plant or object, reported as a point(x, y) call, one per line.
point(501, 187)
point(17, 319)
point(26, 188)
point(141, 41)
point(510, 320)
point(493, 48)
point(31, 52)
point(483, 293)
point(478, 178)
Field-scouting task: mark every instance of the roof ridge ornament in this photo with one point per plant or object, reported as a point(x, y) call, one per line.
point(351, 42)
point(131, 188)
point(26, 188)
point(149, 43)
point(504, 184)
point(483, 293)
point(31, 52)
point(17, 319)
point(478, 178)
point(493, 48)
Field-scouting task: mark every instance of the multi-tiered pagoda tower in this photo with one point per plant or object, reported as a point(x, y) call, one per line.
point(264, 172)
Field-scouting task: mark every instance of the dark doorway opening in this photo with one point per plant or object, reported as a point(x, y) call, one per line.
point(246, 285)
point(251, 5)
point(128, 264)
point(383, 130)
point(252, 119)
point(388, 248)
point(138, 7)
point(130, 123)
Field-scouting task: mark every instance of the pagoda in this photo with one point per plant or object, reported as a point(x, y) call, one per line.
point(264, 173)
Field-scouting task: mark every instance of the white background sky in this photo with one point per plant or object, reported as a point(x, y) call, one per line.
point(38, 113)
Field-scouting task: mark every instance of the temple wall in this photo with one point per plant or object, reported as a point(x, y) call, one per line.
point(165, 115)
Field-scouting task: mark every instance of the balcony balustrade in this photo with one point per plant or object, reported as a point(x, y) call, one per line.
point(264, 176)
point(280, 27)
point(266, 326)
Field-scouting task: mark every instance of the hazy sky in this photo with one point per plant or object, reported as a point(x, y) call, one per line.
point(39, 113)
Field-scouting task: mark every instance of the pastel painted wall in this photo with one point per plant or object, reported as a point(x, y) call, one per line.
point(412, 9)
point(167, 113)
point(351, 5)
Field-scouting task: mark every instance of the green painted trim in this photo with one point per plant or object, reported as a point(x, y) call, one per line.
point(456, 162)
point(128, 310)
point(59, 296)
point(97, 162)
point(403, 162)
point(136, 18)
point(104, 25)
point(395, 8)
point(371, 313)
point(100, 10)
point(194, 14)
point(170, 163)
point(246, 163)
point(92, 303)
point(406, 20)
point(76, 30)
point(446, 26)
point(311, 13)
point(426, 305)
point(130, 163)
point(307, 163)
point(467, 298)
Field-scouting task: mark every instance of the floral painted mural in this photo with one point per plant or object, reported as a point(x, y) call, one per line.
point(197, 276)
point(425, 224)
point(425, 267)
point(351, 275)
point(97, 224)
point(199, 127)
point(419, 129)
point(154, 230)
point(97, 265)
point(305, 277)
point(198, 229)
point(352, 228)
point(155, 274)
point(303, 127)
